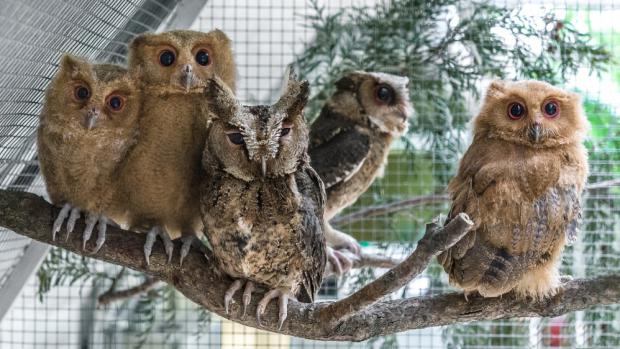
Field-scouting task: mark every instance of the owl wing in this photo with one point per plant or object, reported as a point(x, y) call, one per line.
point(311, 238)
point(337, 149)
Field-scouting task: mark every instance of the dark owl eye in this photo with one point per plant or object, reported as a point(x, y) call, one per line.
point(285, 131)
point(115, 102)
point(516, 111)
point(236, 138)
point(81, 93)
point(166, 58)
point(203, 58)
point(384, 94)
point(551, 109)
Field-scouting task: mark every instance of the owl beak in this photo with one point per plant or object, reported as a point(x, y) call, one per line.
point(90, 120)
point(535, 132)
point(263, 165)
point(187, 77)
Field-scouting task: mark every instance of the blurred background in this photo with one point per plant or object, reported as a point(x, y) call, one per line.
point(449, 49)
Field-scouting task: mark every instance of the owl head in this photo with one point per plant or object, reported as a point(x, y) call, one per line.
point(91, 97)
point(533, 113)
point(254, 142)
point(182, 59)
point(381, 99)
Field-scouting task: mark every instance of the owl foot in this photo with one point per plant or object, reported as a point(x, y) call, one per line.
point(283, 297)
point(188, 242)
point(234, 287)
point(102, 225)
point(150, 240)
point(341, 263)
point(66, 210)
point(339, 240)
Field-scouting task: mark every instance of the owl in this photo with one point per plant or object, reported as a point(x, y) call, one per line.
point(87, 126)
point(160, 179)
point(350, 141)
point(262, 204)
point(521, 181)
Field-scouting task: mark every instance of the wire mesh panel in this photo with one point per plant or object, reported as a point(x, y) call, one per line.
point(448, 70)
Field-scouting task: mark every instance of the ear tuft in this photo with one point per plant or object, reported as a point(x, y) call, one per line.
point(295, 95)
point(72, 64)
point(496, 89)
point(220, 36)
point(221, 99)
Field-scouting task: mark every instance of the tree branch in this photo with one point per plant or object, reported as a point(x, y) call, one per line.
point(112, 295)
point(402, 205)
point(31, 216)
point(435, 240)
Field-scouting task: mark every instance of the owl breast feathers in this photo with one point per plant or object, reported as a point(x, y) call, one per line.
point(521, 181)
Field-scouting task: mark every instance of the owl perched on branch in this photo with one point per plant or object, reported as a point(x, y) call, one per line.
point(350, 142)
point(160, 179)
point(521, 181)
point(262, 203)
point(88, 124)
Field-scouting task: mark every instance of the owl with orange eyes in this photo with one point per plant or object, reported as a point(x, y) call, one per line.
point(521, 181)
point(88, 125)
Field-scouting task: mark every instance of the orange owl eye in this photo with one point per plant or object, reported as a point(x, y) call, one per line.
point(551, 109)
point(516, 111)
point(81, 93)
point(116, 103)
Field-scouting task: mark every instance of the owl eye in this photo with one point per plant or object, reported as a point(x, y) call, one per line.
point(516, 111)
point(166, 58)
point(81, 93)
point(551, 109)
point(285, 131)
point(116, 103)
point(235, 138)
point(203, 58)
point(384, 94)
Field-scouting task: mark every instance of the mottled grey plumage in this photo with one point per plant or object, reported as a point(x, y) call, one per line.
point(262, 204)
point(350, 140)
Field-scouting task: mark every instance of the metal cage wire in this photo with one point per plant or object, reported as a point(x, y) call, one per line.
point(266, 36)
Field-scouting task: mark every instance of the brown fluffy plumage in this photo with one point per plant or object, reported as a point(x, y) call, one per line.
point(88, 124)
point(521, 181)
point(262, 203)
point(351, 138)
point(160, 180)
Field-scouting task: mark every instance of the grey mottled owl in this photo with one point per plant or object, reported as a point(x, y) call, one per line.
point(521, 181)
point(350, 142)
point(262, 203)
point(88, 124)
point(160, 179)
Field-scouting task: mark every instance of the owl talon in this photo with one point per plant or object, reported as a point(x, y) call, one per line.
point(91, 220)
point(247, 296)
point(64, 211)
point(282, 303)
point(230, 293)
point(188, 242)
point(73, 217)
point(102, 226)
point(150, 240)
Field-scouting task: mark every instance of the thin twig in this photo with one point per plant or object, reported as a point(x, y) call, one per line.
point(113, 296)
point(403, 205)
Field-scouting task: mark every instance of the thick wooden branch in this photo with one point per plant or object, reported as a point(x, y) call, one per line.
point(31, 216)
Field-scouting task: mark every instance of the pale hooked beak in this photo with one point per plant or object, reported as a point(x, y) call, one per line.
point(535, 132)
point(90, 120)
point(187, 76)
point(263, 165)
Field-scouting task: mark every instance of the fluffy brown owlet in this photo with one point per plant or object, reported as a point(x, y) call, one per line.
point(160, 180)
point(88, 124)
point(262, 203)
point(350, 142)
point(521, 181)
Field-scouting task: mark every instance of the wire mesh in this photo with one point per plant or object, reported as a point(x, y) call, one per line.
point(267, 36)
